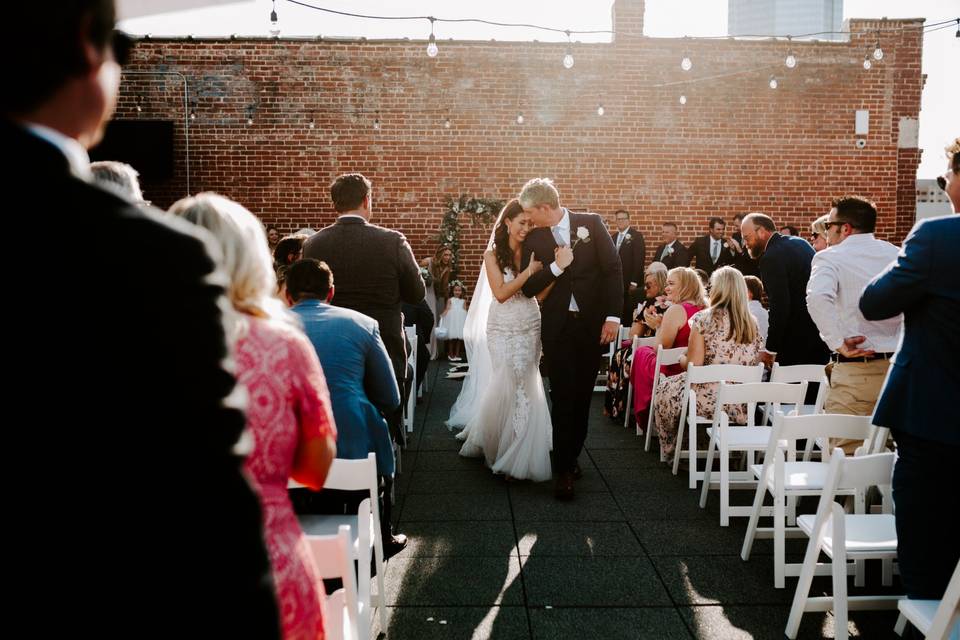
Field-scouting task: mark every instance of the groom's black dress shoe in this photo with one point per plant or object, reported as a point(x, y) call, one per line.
point(563, 490)
point(577, 471)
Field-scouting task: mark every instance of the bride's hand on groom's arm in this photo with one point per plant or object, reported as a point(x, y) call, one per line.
point(533, 267)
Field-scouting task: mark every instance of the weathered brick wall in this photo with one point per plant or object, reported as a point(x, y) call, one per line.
point(736, 146)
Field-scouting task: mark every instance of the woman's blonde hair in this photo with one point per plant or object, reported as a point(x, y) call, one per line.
point(728, 291)
point(690, 286)
point(245, 255)
point(819, 226)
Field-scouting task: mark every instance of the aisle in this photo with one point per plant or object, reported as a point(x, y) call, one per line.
point(633, 556)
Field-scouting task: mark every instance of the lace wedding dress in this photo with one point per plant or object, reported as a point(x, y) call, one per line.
point(511, 427)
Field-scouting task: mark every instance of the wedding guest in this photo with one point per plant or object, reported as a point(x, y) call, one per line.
point(917, 401)
point(861, 349)
point(724, 333)
point(137, 506)
point(755, 295)
point(792, 337)
point(363, 387)
point(119, 177)
point(273, 237)
point(632, 249)
point(294, 434)
point(289, 250)
point(686, 295)
point(453, 319)
point(671, 251)
point(440, 266)
point(618, 375)
point(710, 251)
point(742, 260)
point(789, 230)
point(375, 267)
point(818, 233)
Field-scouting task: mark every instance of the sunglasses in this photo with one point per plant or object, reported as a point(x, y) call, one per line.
point(942, 183)
point(122, 45)
point(827, 225)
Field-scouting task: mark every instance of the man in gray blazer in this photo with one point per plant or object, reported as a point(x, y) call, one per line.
point(375, 267)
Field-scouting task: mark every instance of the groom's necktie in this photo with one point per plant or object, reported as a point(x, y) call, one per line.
point(563, 242)
point(714, 250)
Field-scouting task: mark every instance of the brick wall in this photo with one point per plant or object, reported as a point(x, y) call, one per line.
point(736, 146)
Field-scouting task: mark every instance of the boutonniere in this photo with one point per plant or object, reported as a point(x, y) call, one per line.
point(668, 251)
point(627, 238)
point(583, 235)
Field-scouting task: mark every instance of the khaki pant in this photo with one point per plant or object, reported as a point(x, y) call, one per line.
point(854, 389)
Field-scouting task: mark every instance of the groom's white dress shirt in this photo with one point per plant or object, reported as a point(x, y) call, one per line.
point(561, 233)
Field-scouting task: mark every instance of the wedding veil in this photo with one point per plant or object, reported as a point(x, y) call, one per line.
point(475, 340)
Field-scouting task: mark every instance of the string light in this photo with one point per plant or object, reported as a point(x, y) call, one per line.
point(568, 56)
point(686, 64)
point(249, 122)
point(866, 62)
point(877, 51)
point(193, 115)
point(520, 118)
point(600, 110)
point(376, 121)
point(773, 82)
point(432, 49)
point(446, 123)
point(312, 124)
point(274, 22)
point(791, 61)
point(139, 104)
point(683, 99)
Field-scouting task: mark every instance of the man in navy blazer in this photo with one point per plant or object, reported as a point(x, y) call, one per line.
point(918, 401)
point(363, 387)
point(792, 337)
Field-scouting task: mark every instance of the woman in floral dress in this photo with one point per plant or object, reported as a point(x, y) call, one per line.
point(724, 333)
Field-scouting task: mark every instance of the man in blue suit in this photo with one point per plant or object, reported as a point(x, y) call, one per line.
point(918, 401)
point(363, 387)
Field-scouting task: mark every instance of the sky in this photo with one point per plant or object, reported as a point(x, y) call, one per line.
point(939, 122)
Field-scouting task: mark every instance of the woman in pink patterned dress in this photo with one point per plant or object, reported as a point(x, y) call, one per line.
point(288, 408)
point(686, 296)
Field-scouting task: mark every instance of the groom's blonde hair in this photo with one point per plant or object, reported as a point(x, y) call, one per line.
point(539, 191)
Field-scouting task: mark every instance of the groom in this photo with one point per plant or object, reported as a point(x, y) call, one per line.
point(581, 313)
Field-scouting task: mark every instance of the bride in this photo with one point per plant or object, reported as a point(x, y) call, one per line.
point(508, 422)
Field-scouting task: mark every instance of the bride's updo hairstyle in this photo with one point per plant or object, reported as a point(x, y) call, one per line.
point(501, 236)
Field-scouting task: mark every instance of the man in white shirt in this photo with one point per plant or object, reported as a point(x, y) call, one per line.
point(838, 276)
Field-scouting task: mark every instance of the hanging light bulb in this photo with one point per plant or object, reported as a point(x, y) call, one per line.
point(683, 99)
point(274, 22)
point(568, 56)
point(600, 110)
point(520, 118)
point(446, 123)
point(312, 124)
point(686, 64)
point(791, 61)
point(877, 51)
point(249, 122)
point(193, 115)
point(376, 121)
point(866, 63)
point(432, 49)
point(773, 82)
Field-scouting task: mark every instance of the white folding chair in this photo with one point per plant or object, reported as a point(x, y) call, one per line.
point(358, 475)
point(808, 373)
point(412, 394)
point(332, 558)
point(844, 536)
point(786, 479)
point(628, 407)
point(665, 358)
point(689, 418)
point(935, 619)
point(749, 439)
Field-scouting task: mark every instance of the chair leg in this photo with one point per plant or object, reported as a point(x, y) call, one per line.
point(692, 452)
point(751, 533)
point(839, 571)
point(678, 451)
point(802, 593)
point(901, 625)
point(724, 483)
point(708, 471)
point(779, 544)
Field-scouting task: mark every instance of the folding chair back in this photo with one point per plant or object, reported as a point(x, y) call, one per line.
point(332, 558)
point(665, 358)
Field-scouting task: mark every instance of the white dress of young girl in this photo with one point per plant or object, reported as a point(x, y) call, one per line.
point(511, 427)
point(455, 318)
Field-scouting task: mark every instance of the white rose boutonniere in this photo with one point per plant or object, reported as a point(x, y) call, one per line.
point(668, 251)
point(627, 237)
point(583, 235)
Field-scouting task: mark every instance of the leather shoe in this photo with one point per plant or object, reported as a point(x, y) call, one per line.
point(563, 490)
point(394, 545)
point(577, 471)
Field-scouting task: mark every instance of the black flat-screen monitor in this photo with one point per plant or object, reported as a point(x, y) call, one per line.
point(146, 145)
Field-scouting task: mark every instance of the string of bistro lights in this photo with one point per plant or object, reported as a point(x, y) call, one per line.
point(871, 57)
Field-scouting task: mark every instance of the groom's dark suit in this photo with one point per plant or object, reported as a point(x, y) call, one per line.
point(571, 341)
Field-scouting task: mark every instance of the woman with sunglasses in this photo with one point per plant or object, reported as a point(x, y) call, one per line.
point(818, 233)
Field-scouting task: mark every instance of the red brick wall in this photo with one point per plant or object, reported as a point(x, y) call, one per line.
point(736, 146)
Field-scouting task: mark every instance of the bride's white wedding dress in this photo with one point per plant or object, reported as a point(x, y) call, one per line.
point(511, 427)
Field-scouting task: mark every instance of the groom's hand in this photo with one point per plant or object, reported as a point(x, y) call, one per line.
point(609, 332)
